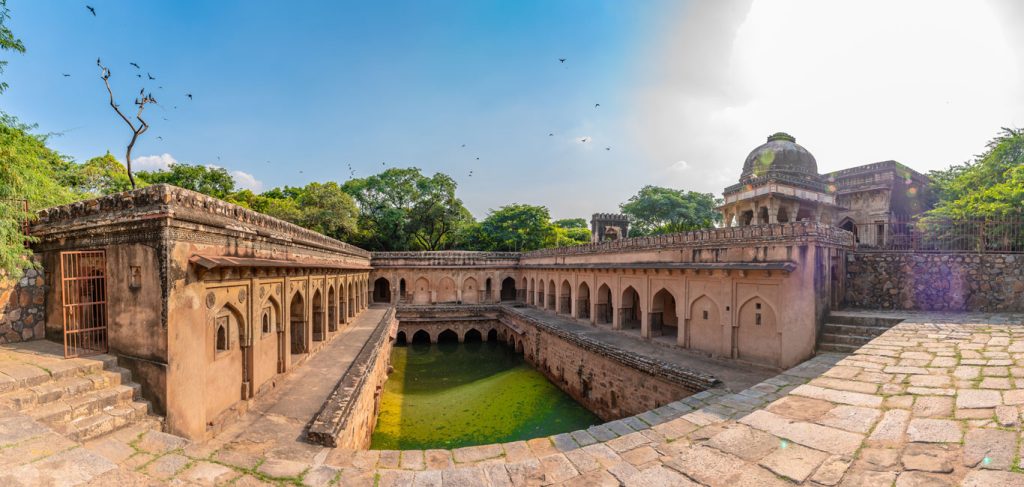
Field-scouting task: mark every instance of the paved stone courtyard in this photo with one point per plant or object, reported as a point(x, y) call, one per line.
point(933, 401)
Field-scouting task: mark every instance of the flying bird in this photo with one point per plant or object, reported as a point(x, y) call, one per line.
point(607, 148)
point(189, 95)
point(150, 76)
point(97, 61)
point(561, 60)
point(91, 10)
point(165, 118)
point(66, 75)
point(159, 138)
point(138, 76)
point(478, 158)
point(551, 134)
point(597, 105)
point(136, 65)
point(463, 145)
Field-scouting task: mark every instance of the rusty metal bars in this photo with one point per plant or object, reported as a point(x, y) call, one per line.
point(84, 302)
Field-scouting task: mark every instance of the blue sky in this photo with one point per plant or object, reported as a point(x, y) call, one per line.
point(686, 88)
point(315, 86)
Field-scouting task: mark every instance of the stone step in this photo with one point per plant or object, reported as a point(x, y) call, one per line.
point(72, 408)
point(55, 390)
point(840, 329)
point(837, 347)
point(846, 339)
point(108, 420)
point(862, 319)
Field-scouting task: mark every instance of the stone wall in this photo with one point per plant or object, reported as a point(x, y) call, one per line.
point(22, 307)
point(935, 281)
point(610, 382)
point(350, 412)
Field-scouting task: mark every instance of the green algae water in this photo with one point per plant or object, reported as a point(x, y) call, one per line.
point(451, 395)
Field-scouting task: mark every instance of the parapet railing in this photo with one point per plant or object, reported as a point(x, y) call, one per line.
point(443, 258)
point(726, 235)
point(174, 197)
point(942, 235)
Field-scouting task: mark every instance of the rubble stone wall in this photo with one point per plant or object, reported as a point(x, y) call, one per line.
point(935, 281)
point(22, 307)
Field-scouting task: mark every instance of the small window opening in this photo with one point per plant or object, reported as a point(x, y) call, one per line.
point(705, 314)
point(266, 321)
point(222, 334)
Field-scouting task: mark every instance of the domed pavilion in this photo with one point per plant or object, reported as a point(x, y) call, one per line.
point(780, 183)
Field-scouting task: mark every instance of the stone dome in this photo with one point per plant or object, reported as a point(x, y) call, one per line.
point(782, 158)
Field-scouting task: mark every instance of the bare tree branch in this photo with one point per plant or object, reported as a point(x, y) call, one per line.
point(136, 130)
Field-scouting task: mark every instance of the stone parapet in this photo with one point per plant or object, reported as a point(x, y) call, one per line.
point(448, 258)
point(353, 404)
point(745, 236)
point(166, 201)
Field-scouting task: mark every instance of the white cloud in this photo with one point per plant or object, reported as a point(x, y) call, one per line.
point(245, 180)
point(153, 163)
point(854, 82)
point(679, 166)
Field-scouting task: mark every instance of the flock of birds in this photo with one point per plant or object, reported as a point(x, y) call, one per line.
point(351, 171)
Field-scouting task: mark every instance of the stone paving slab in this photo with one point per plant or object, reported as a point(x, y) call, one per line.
point(910, 408)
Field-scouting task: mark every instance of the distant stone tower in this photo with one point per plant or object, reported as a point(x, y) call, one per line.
point(608, 226)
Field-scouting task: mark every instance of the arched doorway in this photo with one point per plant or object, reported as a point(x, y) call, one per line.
point(401, 290)
point(551, 296)
point(508, 289)
point(783, 215)
point(492, 336)
point(850, 226)
point(583, 302)
point(297, 324)
point(332, 310)
point(446, 291)
point(629, 311)
point(705, 330)
point(400, 339)
point(757, 338)
point(230, 365)
point(382, 290)
point(473, 335)
point(521, 291)
point(318, 317)
point(604, 304)
point(421, 337)
point(540, 294)
point(565, 300)
point(448, 336)
point(664, 320)
point(470, 291)
point(487, 291)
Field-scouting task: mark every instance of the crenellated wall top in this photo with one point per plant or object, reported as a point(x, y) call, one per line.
point(164, 200)
point(745, 235)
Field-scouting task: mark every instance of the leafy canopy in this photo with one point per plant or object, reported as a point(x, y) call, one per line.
point(209, 180)
point(990, 187)
point(657, 210)
point(402, 209)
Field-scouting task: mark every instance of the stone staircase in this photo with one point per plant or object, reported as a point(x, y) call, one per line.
point(80, 399)
point(846, 331)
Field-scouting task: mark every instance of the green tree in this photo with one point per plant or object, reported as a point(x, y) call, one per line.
point(513, 227)
point(212, 181)
point(327, 209)
point(7, 40)
point(657, 210)
point(571, 223)
point(990, 187)
point(401, 209)
point(27, 169)
point(100, 176)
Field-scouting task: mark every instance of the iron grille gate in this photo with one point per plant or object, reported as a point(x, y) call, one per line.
point(84, 301)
